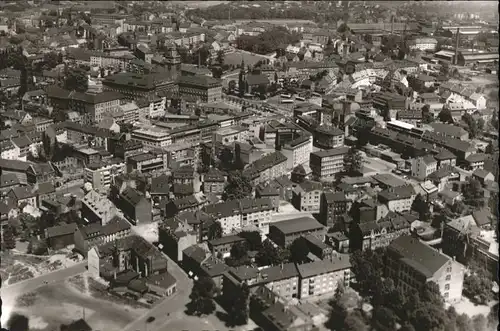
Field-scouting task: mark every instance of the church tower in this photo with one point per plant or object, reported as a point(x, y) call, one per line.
point(173, 61)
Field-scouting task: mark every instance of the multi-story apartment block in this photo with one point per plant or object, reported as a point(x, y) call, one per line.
point(202, 88)
point(137, 86)
point(328, 137)
point(110, 61)
point(380, 233)
point(213, 182)
point(298, 150)
point(327, 163)
point(413, 264)
point(285, 232)
point(267, 168)
point(152, 107)
point(147, 163)
point(227, 214)
point(96, 234)
point(101, 174)
point(9, 151)
point(152, 138)
point(322, 277)
point(236, 214)
point(422, 167)
point(333, 205)
point(306, 196)
point(398, 199)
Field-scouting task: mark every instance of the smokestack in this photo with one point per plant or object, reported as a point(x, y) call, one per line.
point(455, 61)
point(392, 24)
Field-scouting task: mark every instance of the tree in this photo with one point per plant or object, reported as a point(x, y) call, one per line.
point(18, 322)
point(342, 28)
point(480, 322)
point(220, 57)
point(232, 85)
point(298, 174)
point(384, 318)
point(238, 163)
point(239, 251)
point(226, 158)
point(480, 124)
point(353, 161)
point(253, 238)
point(422, 208)
point(214, 231)
point(37, 247)
point(238, 309)
point(354, 322)
point(238, 186)
point(427, 116)
point(445, 116)
point(473, 193)
point(9, 241)
point(477, 288)
point(201, 296)
point(76, 80)
point(471, 125)
point(299, 250)
point(51, 59)
point(268, 255)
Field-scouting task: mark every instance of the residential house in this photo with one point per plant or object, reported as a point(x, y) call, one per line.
point(135, 206)
point(222, 246)
point(398, 199)
point(333, 205)
point(23, 195)
point(213, 181)
point(306, 196)
point(95, 234)
point(267, 168)
point(483, 176)
point(475, 161)
point(422, 167)
point(380, 233)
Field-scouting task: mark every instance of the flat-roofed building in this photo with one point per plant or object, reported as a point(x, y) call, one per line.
point(147, 162)
point(152, 137)
point(329, 162)
point(101, 174)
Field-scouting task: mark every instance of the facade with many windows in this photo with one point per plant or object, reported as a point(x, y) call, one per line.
point(413, 264)
point(202, 88)
point(327, 163)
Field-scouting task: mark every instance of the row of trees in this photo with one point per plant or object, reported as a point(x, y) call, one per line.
point(267, 42)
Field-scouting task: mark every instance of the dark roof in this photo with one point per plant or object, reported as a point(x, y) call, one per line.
point(164, 280)
point(481, 173)
point(264, 163)
point(332, 152)
point(14, 165)
point(44, 188)
point(160, 185)
point(131, 196)
point(225, 240)
point(214, 175)
point(320, 267)
point(332, 197)
point(61, 230)
point(300, 224)
point(7, 180)
point(477, 157)
point(202, 81)
point(419, 256)
point(60, 93)
point(397, 193)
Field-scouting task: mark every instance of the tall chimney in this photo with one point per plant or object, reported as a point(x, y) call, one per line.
point(455, 60)
point(392, 25)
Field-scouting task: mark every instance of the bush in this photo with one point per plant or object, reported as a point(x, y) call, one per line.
point(37, 247)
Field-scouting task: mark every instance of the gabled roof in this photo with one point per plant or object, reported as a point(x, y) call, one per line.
point(61, 230)
point(131, 196)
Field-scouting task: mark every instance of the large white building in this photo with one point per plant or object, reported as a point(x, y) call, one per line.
point(101, 175)
point(298, 151)
point(152, 138)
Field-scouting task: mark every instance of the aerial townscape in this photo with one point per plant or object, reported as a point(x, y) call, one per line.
point(249, 165)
